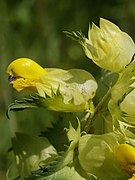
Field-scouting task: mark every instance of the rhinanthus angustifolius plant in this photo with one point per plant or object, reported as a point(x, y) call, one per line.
point(99, 143)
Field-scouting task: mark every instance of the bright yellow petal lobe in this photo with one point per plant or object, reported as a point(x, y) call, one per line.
point(125, 156)
point(25, 68)
point(24, 73)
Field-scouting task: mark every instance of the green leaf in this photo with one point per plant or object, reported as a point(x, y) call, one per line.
point(57, 134)
point(25, 103)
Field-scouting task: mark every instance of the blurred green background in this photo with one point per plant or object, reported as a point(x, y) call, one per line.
point(34, 29)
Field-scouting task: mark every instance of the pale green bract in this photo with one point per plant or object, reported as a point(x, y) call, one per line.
point(66, 91)
point(96, 155)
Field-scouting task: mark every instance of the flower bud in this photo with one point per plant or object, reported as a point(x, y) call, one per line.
point(108, 46)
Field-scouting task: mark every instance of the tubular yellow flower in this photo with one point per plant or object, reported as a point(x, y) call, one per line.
point(61, 90)
point(108, 46)
point(125, 156)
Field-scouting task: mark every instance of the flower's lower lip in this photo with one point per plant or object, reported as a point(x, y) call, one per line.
point(11, 78)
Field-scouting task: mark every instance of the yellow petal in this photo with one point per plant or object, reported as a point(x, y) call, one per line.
point(25, 68)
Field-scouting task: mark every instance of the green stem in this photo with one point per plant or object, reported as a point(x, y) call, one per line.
point(101, 105)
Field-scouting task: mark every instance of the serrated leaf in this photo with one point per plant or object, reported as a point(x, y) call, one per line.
point(18, 105)
point(57, 134)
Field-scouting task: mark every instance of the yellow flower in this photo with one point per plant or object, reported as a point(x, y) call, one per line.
point(108, 46)
point(125, 156)
point(61, 90)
